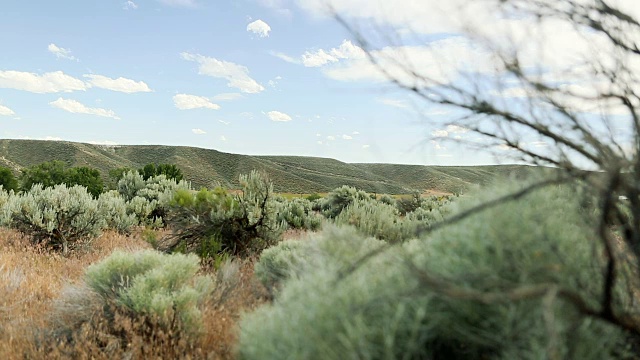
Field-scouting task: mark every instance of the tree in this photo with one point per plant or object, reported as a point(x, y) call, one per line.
point(169, 170)
point(548, 82)
point(8, 180)
point(48, 174)
point(87, 177)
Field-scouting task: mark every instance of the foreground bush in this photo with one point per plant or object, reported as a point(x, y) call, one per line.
point(216, 223)
point(58, 216)
point(145, 294)
point(389, 307)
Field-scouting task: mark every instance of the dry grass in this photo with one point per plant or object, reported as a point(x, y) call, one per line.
point(32, 279)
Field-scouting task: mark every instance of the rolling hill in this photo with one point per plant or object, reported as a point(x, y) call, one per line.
point(293, 174)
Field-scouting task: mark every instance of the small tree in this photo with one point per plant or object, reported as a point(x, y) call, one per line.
point(8, 180)
point(87, 177)
point(48, 174)
point(171, 171)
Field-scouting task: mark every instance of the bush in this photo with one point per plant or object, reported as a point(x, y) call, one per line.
point(383, 308)
point(170, 171)
point(298, 214)
point(216, 222)
point(149, 199)
point(387, 199)
point(375, 219)
point(53, 173)
point(340, 198)
point(280, 262)
point(161, 296)
point(116, 213)
point(60, 217)
point(87, 177)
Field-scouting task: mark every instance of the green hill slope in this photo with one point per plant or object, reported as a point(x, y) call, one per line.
point(294, 174)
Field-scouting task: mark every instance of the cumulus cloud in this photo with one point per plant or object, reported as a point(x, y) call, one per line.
point(51, 82)
point(365, 146)
point(198, 131)
point(223, 138)
point(456, 129)
point(224, 122)
point(129, 5)
point(346, 50)
point(61, 53)
point(331, 138)
point(237, 76)
point(180, 3)
point(76, 107)
point(120, 84)
point(227, 97)
point(259, 28)
point(5, 111)
point(103, 142)
point(347, 137)
point(187, 102)
point(278, 116)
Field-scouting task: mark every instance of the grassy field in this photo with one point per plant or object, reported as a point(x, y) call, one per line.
point(290, 174)
point(32, 280)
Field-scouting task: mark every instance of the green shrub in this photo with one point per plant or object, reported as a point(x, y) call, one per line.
point(338, 199)
point(170, 171)
point(53, 173)
point(161, 294)
point(383, 309)
point(376, 219)
point(280, 262)
point(298, 214)
point(387, 199)
point(115, 212)
point(149, 199)
point(87, 177)
point(58, 216)
point(236, 224)
point(313, 197)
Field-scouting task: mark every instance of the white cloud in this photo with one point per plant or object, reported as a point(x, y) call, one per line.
point(180, 3)
point(394, 103)
point(456, 129)
point(224, 122)
point(285, 57)
point(223, 138)
point(61, 53)
point(103, 142)
point(51, 82)
point(5, 111)
point(356, 133)
point(130, 5)
point(331, 138)
point(198, 131)
point(120, 84)
point(236, 75)
point(187, 102)
point(346, 50)
point(366, 146)
point(318, 134)
point(440, 133)
point(278, 116)
point(227, 97)
point(76, 107)
point(319, 142)
point(347, 137)
point(259, 28)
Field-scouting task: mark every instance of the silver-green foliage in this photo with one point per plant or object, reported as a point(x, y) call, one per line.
point(375, 219)
point(115, 212)
point(298, 214)
point(383, 310)
point(5, 213)
point(150, 284)
point(281, 261)
point(60, 216)
point(148, 199)
point(338, 199)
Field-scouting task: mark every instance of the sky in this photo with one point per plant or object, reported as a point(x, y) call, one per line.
point(262, 77)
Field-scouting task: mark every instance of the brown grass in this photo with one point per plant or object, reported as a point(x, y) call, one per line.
point(32, 279)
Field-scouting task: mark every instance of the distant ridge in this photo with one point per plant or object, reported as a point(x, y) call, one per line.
point(293, 174)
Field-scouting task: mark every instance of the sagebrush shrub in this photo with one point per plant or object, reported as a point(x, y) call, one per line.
point(217, 222)
point(57, 216)
point(298, 214)
point(383, 308)
point(280, 262)
point(115, 212)
point(338, 199)
point(376, 219)
point(160, 294)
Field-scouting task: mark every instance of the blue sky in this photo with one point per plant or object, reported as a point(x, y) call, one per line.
point(273, 77)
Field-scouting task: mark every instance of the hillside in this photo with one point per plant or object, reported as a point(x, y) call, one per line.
point(294, 174)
